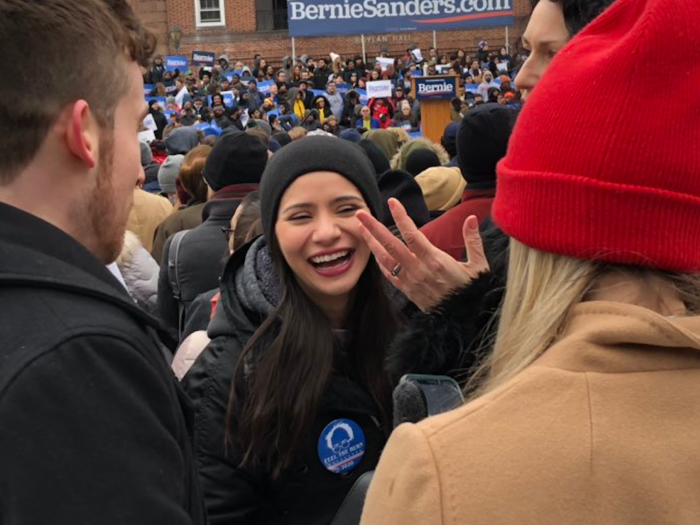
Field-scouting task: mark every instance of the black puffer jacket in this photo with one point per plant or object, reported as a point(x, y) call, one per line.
point(306, 494)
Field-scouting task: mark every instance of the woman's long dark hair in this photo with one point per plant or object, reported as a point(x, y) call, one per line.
point(289, 375)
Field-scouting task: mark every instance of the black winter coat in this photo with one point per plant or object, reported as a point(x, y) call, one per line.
point(305, 494)
point(95, 429)
point(203, 252)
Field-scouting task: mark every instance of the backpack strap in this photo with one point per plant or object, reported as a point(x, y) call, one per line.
point(174, 274)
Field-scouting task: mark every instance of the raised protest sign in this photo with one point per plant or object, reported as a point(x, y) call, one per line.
point(150, 122)
point(173, 63)
point(379, 89)
point(203, 58)
point(147, 136)
point(147, 88)
point(363, 96)
point(348, 17)
point(385, 62)
point(432, 88)
point(343, 88)
point(264, 87)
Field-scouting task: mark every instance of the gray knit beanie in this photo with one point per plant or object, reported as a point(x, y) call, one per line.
point(312, 154)
point(168, 172)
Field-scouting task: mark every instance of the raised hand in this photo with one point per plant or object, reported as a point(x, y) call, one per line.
point(422, 272)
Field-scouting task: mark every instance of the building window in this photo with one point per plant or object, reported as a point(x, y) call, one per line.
point(271, 15)
point(210, 13)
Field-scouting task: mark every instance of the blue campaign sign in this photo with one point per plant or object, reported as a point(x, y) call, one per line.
point(474, 88)
point(343, 88)
point(229, 99)
point(432, 88)
point(364, 99)
point(318, 92)
point(264, 87)
point(230, 74)
point(273, 113)
point(173, 63)
point(348, 17)
point(147, 88)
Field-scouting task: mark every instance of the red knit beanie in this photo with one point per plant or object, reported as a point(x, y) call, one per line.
point(604, 161)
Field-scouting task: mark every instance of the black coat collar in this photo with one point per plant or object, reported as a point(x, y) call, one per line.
point(36, 254)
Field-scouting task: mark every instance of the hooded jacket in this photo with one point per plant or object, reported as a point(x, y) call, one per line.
point(398, 161)
point(602, 428)
point(306, 493)
point(94, 426)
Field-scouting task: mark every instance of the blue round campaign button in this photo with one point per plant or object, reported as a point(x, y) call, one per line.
point(341, 446)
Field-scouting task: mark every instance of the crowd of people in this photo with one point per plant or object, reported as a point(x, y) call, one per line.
point(206, 313)
point(327, 93)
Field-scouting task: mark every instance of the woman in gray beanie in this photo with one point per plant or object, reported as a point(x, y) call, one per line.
point(303, 309)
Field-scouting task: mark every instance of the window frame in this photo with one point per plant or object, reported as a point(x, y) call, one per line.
point(198, 15)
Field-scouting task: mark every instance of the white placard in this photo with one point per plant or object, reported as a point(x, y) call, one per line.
point(147, 136)
point(417, 55)
point(385, 62)
point(379, 89)
point(180, 97)
point(150, 122)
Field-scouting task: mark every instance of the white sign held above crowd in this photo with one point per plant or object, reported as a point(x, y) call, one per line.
point(385, 62)
point(379, 89)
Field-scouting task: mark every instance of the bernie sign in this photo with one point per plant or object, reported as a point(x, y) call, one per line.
point(350, 17)
point(433, 88)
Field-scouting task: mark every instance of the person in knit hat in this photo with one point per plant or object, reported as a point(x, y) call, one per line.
point(232, 170)
point(402, 186)
point(481, 142)
point(303, 307)
point(597, 357)
point(420, 160)
point(181, 140)
point(167, 175)
point(442, 188)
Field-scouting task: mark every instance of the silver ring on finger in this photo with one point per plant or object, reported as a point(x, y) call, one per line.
point(396, 270)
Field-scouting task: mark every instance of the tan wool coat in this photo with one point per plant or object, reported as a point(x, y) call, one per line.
point(603, 429)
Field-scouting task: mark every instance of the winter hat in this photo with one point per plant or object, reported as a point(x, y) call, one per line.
point(315, 154)
point(168, 172)
point(442, 187)
point(181, 140)
point(171, 101)
point(282, 137)
point(385, 139)
point(376, 156)
point(449, 139)
point(593, 177)
point(482, 141)
point(401, 185)
point(420, 160)
point(239, 158)
point(146, 154)
point(351, 135)
point(399, 160)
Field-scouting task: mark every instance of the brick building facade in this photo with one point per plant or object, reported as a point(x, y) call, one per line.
point(242, 28)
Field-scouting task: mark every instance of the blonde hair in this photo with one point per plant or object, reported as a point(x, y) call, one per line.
point(297, 133)
point(542, 291)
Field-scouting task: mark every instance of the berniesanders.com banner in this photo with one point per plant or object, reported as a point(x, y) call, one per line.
point(348, 17)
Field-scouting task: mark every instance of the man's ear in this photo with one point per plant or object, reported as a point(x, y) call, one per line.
point(82, 134)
